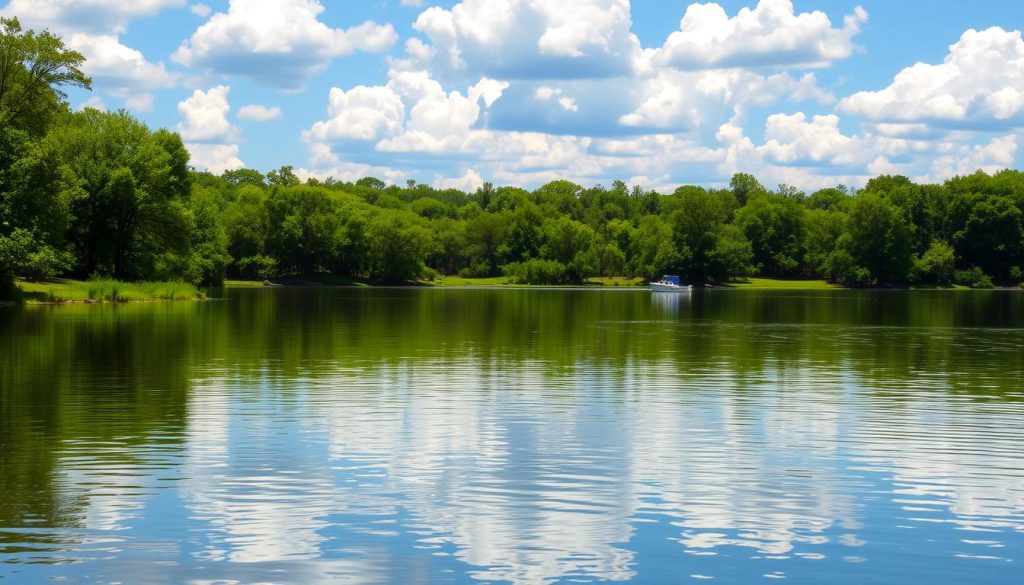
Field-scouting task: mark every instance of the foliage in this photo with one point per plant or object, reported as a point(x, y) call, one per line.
point(936, 265)
point(536, 271)
point(108, 290)
point(98, 193)
point(34, 70)
point(973, 277)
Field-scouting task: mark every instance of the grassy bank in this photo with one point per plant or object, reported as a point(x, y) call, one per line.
point(780, 284)
point(447, 281)
point(747, 283)
point(105, 290)
point(317, 280)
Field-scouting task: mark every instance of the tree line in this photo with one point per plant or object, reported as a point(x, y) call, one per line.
point(98, 193)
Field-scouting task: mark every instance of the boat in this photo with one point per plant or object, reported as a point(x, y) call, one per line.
point(670, 283)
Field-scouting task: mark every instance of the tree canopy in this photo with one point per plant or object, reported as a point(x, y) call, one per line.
point(99, 193)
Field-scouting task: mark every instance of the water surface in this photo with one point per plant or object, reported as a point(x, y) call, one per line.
point(515, 436)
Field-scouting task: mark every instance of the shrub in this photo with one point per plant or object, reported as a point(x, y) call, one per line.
point(935, 266)
point(478, 269)
point(840, 267)
point(536, 271)
point(973, 277)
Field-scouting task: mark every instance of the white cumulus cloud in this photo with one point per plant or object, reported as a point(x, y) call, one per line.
point(770, 34)
point(527, 39)
point(89, 16)
point(215, 158)
point(979, 85)
point(205, 117)
point(361, 113)
point(259, 113)
point(120, 70)
point(280, 43)
point(686, 100)
point(200, 10)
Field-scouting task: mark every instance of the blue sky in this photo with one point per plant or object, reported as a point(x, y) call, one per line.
point(654, 92)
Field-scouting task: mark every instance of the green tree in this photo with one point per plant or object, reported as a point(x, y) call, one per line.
point(988, 233)
point(743, 186)
point(936, 265)
point(824, 228)
point(775, 227)
point(34, 70)
point(398, 246)
point(486, 239)
point(571, 244)
point(304, 229)
point(130, 193)
point(880, 239)
point(697, 228)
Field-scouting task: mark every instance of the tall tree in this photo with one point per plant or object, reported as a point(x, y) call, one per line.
point(34, 70)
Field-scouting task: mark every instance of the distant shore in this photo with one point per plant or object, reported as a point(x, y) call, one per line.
point(749, 283)
point(68, 291)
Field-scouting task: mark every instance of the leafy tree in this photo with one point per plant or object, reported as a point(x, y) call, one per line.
point(824, 228)
point(239, 177)
point(699, 236)
point(988, 233)
point(525, 232)
point(830, 198)
point(743, 186)
point(775, 227)
point(398, 247)
point(570, 243)
point(936, 265)
point(449, 236)
point(879, 239)
point(560, 198)
point(486, 239)
point(536, 271)
point(283, 177)
point(130, 193)
point(652, 249)
point(34, 70)
point(246, 223)
point(372, 182)
point(429, 207)
point(304, 228)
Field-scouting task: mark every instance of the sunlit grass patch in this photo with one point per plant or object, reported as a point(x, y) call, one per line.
point(106, 290)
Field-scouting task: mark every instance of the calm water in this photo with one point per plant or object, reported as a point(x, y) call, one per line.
point(510, 436)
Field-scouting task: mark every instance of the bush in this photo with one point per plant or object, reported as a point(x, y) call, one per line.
point(45, 263)
point(429, 274)
point(536, 271)
point(935, 266)
point(257, 266)
point(840, 267)
point(478, 269)
point(973, 277)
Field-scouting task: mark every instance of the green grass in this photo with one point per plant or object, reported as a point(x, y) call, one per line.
point(243, 283)
point(616, 281)
point(105, 290)
point(780, 284)
point(316, 280)
point(612, 281)
point(462, 281)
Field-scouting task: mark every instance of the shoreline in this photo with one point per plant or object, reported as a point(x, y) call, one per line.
point(107, 292)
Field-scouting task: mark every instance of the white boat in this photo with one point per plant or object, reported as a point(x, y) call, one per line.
point(670, 283)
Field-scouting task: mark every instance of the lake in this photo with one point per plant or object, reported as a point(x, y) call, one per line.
point(409, 436)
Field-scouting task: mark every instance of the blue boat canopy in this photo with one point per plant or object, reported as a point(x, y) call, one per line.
point(673, 279)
